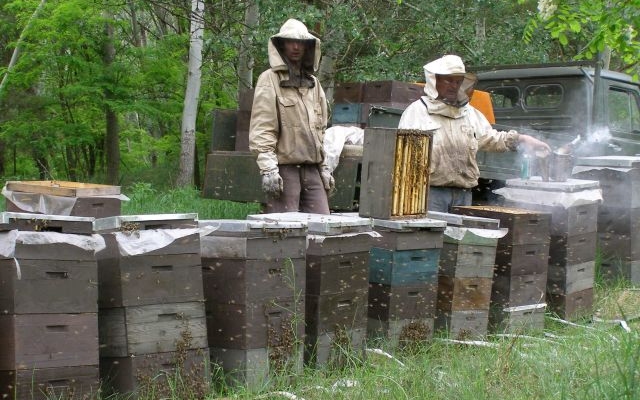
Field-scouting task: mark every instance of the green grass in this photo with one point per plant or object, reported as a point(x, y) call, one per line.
point(144, 199)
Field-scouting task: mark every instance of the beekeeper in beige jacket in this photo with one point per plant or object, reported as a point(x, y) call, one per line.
point(460, 131)
point(288, 120)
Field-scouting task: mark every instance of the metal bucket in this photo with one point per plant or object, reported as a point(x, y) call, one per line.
point(560, 166)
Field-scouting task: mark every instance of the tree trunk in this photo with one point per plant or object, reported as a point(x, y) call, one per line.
point(245, 58)
point(190, 110)
point(112, 137)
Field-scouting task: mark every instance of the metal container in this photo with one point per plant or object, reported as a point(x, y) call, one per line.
point(560, 167)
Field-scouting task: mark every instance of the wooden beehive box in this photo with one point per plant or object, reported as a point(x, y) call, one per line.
point(525, 226)
point(409, 234)
point(619, 178)
point(80, 382)
point(390, 303)
point(405, 267)
point(48, 341)
point(46, 223)
point(136, 330)
point(129, 374)
point(395, 173)
point(91, 199)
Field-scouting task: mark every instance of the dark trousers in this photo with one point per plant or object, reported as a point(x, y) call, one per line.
point(303, 191)
point(443, 198)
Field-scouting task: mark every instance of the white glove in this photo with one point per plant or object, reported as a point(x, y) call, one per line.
point(272, 183)
point(327, 180)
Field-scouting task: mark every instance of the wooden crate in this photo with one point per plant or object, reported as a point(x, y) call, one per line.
point(394, 184)
point(48, 286)
point(338, 273)
point(570, 250)
point(463, 324)
point(406, 302)
point(460, 294)
point(335, 348)
point(123, 375)
point(400, 333)
point(518, 290)
point(522, 259)
point(525, 226)
point(342, 310)
point(171, 274)
point(391, 91)
point(573, 305)
point(348, 92)
point(521, 319)
point(254, 325)
point(567, 279)
point(78, 382)
point(126, 331)
point(404, 267)
point(48, 341)
point(237, 281)
point(254, 368)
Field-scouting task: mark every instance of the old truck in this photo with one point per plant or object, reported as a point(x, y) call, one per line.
point(556, 103)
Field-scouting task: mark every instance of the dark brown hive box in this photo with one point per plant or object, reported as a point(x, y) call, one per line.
point(390, 303)
point(518, 290)
point(338, 273)
point(123, 375)
point(618, 220)
point(81, 382)
point(624, 247)
point(567, 279)
point(386, 91)
point(463, 324)
point(572, 306)
point(48, 341)
point(569, 250)
point(525, 226)
point(250, 325)
point(619, 178)
point(348, 92)
point(522, 259)
point(168, 274)
point(458, 294)
point(345, 310)
point(47, 223)
point(409, 234)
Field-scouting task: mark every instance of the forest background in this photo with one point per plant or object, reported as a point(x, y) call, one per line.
point(123, 91)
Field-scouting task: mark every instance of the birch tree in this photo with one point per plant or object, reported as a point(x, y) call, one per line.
point(192, 93)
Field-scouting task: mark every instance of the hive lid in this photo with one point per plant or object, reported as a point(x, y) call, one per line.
point(321, 224)
point(466, 221)
point(410, 224)
point(536, 183)
point(244, 227)
point(63, 188)
point(117, 222)
point(610, 161)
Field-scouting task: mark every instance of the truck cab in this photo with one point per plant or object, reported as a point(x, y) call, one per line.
point(556, 103)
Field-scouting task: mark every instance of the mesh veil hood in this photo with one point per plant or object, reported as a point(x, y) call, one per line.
point(294, 29)
point(448, 65)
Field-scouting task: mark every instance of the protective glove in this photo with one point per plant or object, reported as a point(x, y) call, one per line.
point(272, 183)
point(327, 180)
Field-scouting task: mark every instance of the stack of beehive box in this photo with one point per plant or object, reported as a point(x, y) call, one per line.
point(573, 206)
point(403, 269)
point(151, 304)
point(619, 213)
point(48, 297)
point(254, 285)
point(465, 274)
point(337, 262)
point(353, 100)
point(520, 273)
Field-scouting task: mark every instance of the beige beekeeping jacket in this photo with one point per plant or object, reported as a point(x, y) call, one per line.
point(459, 132)
point(288, 122)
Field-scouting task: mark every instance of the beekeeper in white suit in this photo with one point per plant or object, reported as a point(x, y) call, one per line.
point(460, 131)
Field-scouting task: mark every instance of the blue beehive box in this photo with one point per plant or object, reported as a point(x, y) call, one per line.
point(404, 267)
point(347, 113)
